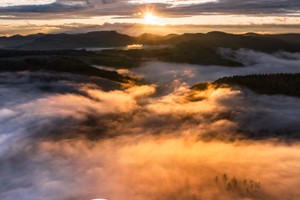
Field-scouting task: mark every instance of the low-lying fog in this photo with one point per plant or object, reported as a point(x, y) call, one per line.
point(64, 138)
point(254, 63)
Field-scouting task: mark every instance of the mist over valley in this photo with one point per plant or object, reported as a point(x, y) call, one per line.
point(198, 116)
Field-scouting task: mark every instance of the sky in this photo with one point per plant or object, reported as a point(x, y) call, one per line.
point(155, 16)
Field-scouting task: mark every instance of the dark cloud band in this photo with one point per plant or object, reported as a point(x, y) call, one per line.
point(113, 7)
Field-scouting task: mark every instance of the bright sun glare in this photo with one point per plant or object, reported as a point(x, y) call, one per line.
point(149, 18)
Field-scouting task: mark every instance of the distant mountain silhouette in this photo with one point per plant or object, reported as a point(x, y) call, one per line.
point(150, 39)
point(266, 43)
point(17, 40)
point(71, 41)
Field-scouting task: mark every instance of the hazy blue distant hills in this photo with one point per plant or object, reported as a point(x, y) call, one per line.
point(267, 43)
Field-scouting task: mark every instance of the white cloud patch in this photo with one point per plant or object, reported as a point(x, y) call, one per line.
point(5, 3)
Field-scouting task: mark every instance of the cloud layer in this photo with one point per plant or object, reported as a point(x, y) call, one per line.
point(72, 137)
point(254, 63)
point(58, 15)
point(177, 8)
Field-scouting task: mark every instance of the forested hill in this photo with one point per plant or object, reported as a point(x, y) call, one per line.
point(59, 64)
point(266, 43)
point(271, 84)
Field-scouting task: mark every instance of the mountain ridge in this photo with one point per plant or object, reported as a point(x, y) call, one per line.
point(260, 42)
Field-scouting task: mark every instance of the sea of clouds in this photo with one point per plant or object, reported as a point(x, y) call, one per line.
point(65, 137)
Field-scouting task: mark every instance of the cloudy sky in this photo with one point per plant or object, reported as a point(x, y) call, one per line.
point(137, 16)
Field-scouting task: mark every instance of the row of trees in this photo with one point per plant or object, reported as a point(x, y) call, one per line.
point(282, 83)
point(240, 187)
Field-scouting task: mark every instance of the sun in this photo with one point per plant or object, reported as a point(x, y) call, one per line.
point(150, 18)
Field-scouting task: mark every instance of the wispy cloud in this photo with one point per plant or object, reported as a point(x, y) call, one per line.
point(10, 3)
point(175, 8)
point(250, 12)
point(37, 7)
point(262, 7)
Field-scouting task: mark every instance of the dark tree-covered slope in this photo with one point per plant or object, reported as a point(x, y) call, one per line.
point(271, 84)
point(58, 64)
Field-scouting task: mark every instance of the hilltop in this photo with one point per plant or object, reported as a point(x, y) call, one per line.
point(267, 43)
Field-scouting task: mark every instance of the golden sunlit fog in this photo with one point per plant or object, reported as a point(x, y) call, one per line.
point(127, 143)
point(149, 100)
